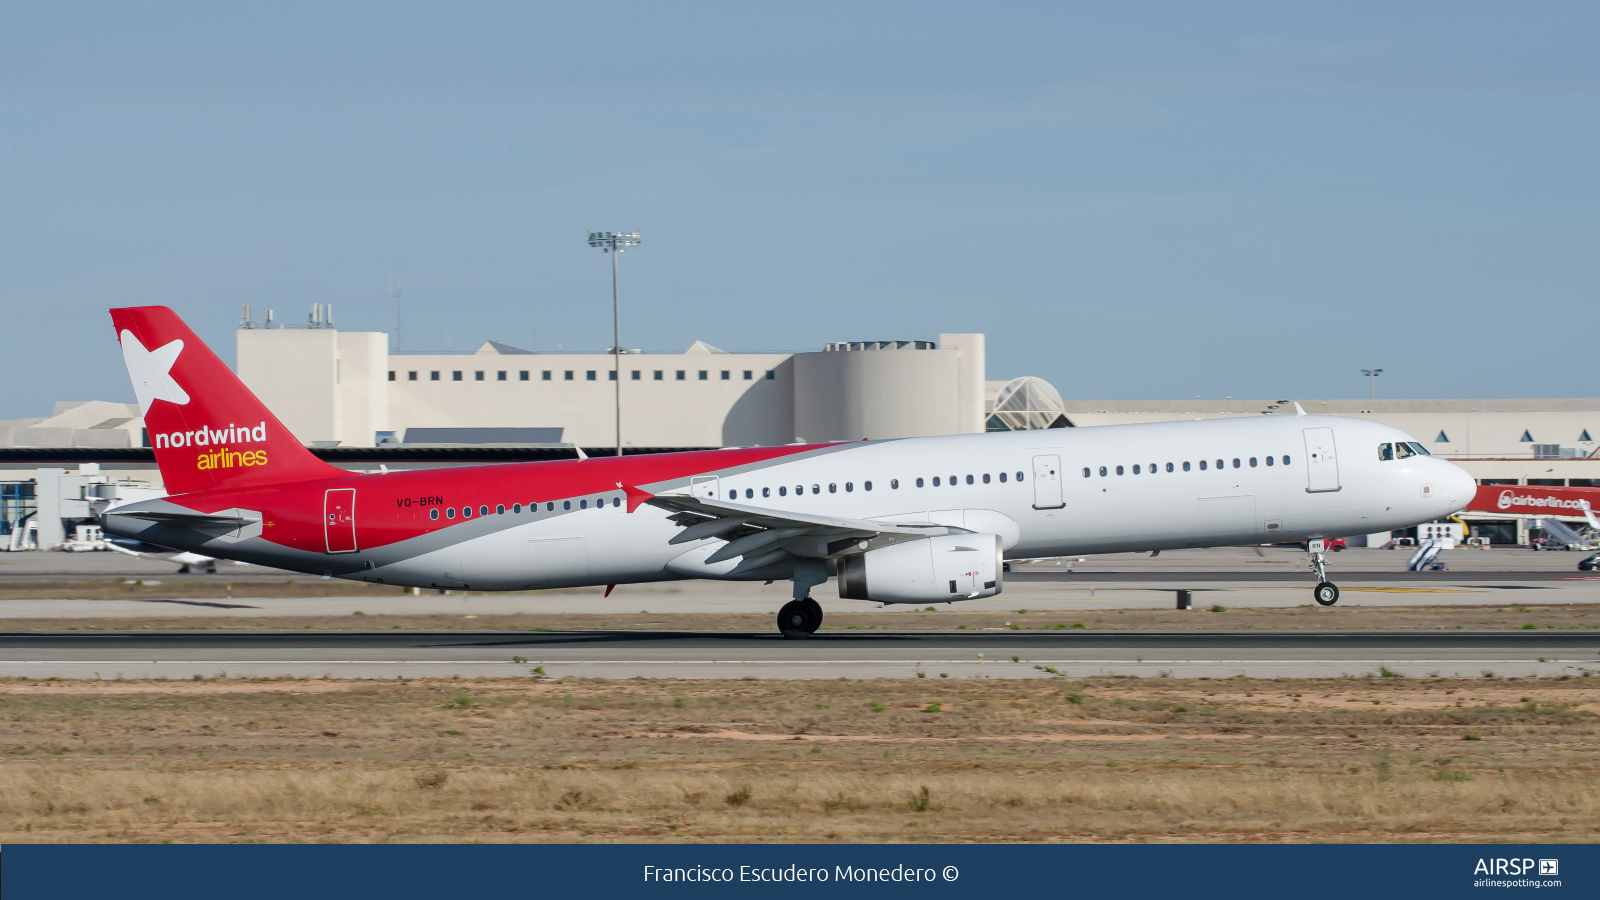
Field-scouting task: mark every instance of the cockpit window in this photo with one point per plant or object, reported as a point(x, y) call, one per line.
point(1403, 450)
point(1421, 450)
point(1386, 451)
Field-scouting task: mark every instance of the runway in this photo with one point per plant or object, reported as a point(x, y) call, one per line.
point(733, 655)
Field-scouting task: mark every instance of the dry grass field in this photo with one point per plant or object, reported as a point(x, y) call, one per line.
point(1374, 759)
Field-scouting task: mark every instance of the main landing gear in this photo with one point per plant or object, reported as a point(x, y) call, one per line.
point(801, 617)
point(1326, 592)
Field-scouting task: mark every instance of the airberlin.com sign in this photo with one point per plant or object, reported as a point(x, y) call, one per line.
point(1532, 499)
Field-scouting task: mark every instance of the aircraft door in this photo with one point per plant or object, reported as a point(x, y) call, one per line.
point(703, 486)
point(1322, 461)
point(1047, 483)
point(339, 520)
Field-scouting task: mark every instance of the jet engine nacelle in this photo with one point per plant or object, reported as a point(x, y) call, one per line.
point(939, 569)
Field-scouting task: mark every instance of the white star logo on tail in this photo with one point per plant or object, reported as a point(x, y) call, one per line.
point(151, 371)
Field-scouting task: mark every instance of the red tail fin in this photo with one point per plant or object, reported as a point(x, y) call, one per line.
point(207, 428)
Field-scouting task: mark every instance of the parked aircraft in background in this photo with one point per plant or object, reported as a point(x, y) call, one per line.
point(914, 520)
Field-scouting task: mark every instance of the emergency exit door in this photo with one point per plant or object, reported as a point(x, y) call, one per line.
point(1047, 483)
point(1322, 461)
point(339, 520)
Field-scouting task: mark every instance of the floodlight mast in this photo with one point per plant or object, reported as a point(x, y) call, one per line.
point(614, 242)
point(1372, 382)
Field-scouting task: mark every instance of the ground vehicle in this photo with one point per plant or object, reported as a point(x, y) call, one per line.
point(1589, 563)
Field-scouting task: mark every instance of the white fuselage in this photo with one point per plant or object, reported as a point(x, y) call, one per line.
point(1314, 488)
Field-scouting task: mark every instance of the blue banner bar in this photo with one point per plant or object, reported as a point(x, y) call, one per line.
point(247, 872)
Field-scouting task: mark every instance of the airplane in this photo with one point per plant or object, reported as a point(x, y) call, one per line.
point(907, 520)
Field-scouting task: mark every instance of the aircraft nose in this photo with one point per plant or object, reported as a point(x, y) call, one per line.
point(1459, 487)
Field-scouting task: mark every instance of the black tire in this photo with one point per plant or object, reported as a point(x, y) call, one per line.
point(813, 615)
point(793, 620)
point(1326, 593)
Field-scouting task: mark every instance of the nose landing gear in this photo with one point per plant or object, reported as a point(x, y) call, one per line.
point(1326, 592)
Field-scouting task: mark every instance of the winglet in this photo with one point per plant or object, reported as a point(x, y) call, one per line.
point(1298, 411)
point(581, 454)
point(635, 496)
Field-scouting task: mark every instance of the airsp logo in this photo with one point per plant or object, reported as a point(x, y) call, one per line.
point(1549, 867)
point(151, 372)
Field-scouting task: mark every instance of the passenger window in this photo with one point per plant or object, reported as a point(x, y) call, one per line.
point(986, 478)
point(1286, 459)
point(1102, 471)
point(969, 479)
point(616, 502)
point(833, 488)
point(783, 491)
point(466, 512)
point(1003, 476)
point(550, 507)
point(566, 504)
point(1202, 465)
point(749, 494)
point(816, 489)
point(1252, 462)
point(849, 486)
point(894, 484)
point(1385, 452)
point(733, 495)
point(1019, 476)
point(866, 485)
point(766, 492)
point(952, 481)
point(799, 489)
point(1186, 465)
point(935, 481)
point(1236, 462)
point(1219, 463)
point(433, 513)
point(450, 513)
point(500, 510)
point(1135, 470)
point(919, 482)
point(1270, 460)
point(583, 504)
point(1119, 470)
point(1152, 468)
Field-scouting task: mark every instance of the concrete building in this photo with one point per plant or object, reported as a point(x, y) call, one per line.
point(345, 388)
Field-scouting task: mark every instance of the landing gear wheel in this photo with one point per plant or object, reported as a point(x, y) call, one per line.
point(1327, 593)
point(794, 620)
point(813, 614)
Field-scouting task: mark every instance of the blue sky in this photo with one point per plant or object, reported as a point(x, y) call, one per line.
point(1130, 200)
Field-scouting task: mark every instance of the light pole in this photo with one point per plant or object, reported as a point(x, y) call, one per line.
point(1372, 382)
point(614, 242)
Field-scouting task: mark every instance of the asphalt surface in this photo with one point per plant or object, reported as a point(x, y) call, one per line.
point(622, 654)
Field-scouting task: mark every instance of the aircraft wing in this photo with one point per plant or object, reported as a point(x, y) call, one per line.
point(763, 536)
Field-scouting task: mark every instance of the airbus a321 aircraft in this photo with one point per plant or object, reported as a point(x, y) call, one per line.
point(912, 520)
